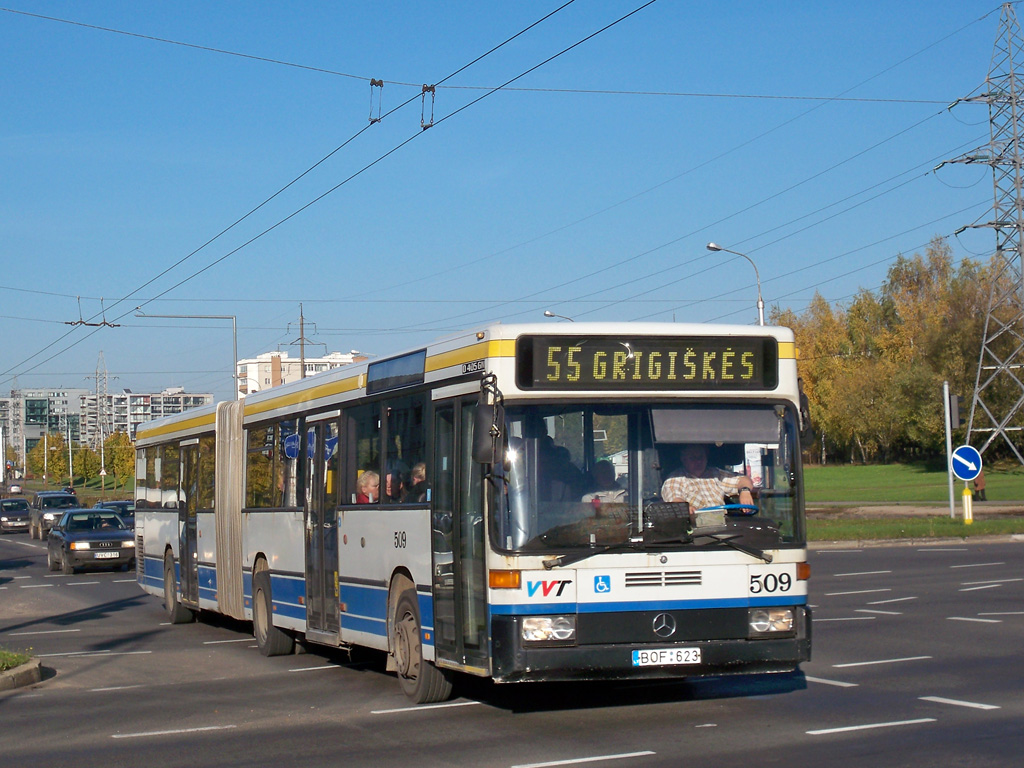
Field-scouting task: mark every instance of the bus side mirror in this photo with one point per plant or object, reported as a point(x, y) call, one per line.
point(488, 421)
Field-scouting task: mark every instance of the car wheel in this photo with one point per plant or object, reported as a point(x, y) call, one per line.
point(51, 561)
point(66, 567)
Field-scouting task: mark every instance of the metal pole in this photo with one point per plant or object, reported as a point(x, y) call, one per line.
point(234, 337)
point(949, 447)
point(757, 277)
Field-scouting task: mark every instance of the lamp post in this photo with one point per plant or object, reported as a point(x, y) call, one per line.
point(549, 313)
point(760, 301)
point(234, 337)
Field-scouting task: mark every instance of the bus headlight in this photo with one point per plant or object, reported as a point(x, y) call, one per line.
point(549, 629)
point(766, 621)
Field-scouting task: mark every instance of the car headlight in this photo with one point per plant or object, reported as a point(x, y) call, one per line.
point(3, 519)
point(129, 544)
point(549, 629)
point(766, 621)
point(48, 516)
point(80, 545)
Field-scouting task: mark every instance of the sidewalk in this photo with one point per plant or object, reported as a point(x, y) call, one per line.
point(868, 509)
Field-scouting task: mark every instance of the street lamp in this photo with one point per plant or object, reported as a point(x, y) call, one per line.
point(760, 301)
point(234, 337)
point(549, 313)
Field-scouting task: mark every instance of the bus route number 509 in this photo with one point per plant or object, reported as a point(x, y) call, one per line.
point(770, 582)
point(399, 539)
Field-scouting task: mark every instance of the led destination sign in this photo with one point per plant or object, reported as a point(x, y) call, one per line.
point(613, 362)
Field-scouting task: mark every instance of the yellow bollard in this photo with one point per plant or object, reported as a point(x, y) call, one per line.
point(968, 515)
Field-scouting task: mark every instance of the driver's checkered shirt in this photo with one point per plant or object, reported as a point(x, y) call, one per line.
point(701, 492)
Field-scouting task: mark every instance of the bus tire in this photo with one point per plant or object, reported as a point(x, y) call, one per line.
point(421, 681)
point(271, 640)
point(176, 612)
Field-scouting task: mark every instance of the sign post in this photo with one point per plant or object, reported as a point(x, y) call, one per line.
point(966, 464)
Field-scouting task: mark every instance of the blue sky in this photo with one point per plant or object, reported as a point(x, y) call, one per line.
point(589, 187)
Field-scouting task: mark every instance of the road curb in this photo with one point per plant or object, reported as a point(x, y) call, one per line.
point(28, 673)
point(866, 543)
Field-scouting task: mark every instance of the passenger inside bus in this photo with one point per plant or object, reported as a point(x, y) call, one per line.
point(416, 492)
point(605, 488)
point(702, 486)
point(368, 487)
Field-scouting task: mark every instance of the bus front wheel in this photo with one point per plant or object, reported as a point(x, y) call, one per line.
point(421, 681)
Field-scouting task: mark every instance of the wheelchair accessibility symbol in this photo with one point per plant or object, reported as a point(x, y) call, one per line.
point(602, 584)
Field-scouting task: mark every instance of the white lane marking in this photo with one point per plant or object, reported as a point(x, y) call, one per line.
point(863, 573)
point(80, 583)
point(44, 632)
point(34, 586)
point(113, 688)
point(1002, 613)
point(124, 581)
point(314, 669)
point(21, 577)
point(975, 565)
point(220, 642)
point(872, 725)
point(981, 621)
point(845, 618)
point(991, 581)
point(422, 708)
point(943, 549)
point(105, 652)
point(839, 552)
point(857, 592)
point(880, 661)
point(707, 725)
point(877, 610)
point(579, 760)
point(893, 600)
point(956, 703)
point(837, 683)
point(975, 589)
point(171, 733)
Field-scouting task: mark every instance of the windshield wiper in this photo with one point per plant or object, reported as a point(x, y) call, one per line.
point(560, 561)
point(730, 541)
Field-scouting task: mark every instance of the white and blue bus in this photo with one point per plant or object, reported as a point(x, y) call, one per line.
point(492, 505)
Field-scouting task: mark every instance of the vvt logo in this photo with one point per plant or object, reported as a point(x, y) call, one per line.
point(547, 587)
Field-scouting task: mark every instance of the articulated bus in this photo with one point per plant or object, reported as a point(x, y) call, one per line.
point(493, 504)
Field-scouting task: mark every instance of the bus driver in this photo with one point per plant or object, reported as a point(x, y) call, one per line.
point(702, 486)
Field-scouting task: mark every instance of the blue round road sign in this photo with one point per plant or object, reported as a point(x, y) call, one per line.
point(966, 463)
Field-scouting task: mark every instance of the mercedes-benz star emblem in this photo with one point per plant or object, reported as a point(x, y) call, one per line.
point(664, 625)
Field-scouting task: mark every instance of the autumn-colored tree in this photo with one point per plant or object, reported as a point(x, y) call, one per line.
point(119, 456)
point(87, 463)
point(55, 463)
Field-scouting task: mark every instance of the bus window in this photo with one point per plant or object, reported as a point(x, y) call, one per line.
point(405, 452)
point(365, 420)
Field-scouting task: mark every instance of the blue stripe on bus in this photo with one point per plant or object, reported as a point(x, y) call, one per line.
point(660, 605)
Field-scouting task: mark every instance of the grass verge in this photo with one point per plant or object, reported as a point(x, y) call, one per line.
point(837, 526)
point(11, 659)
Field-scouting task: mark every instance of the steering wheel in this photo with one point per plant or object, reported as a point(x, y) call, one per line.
point(735, 510)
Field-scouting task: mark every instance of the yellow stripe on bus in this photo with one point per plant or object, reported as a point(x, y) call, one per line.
point(178, 426)
point(497, 348)
point(787, 350)
point(304, 396)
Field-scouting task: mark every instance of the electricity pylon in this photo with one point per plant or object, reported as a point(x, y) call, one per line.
point(998, 400)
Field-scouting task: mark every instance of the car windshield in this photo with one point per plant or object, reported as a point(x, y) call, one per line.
point(94, 521)
point(586, 476)
point(14, 505)
point(58, 502)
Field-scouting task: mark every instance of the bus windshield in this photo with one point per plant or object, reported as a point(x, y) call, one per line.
point(585, 476)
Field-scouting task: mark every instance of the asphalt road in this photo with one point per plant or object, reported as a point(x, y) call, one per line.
point(916, 663)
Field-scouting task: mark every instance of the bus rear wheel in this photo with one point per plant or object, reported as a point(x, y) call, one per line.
point(421, 681)
point(271, 640)
point(176, 612)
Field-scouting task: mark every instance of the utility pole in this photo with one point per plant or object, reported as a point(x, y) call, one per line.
point(998, 400)
point(301, 341)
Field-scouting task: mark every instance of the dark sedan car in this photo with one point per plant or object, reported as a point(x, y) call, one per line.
point(14, 515)
point(126, 509)
point(90, 538)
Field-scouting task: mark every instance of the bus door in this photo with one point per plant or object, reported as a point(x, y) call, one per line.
point(322, 608)
point(188, 500)
point(460, 594)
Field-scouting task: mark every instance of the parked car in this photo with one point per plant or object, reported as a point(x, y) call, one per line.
point(126, 509)
point(14, 515)
point(47, 507)
point(90, 538)
point(14, 488)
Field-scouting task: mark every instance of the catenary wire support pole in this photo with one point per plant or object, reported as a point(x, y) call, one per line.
point(949, 447)
point(234, 337)
point(997, 404)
